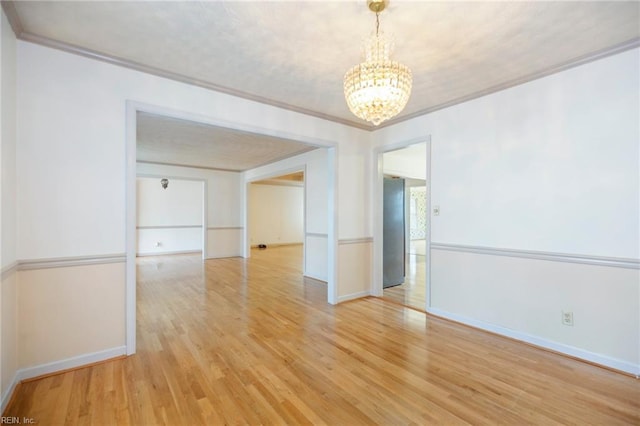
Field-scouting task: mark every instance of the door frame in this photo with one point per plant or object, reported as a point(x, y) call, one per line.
point(332, 213)
point(376, 285)
point(246, 248)
point(131, 109)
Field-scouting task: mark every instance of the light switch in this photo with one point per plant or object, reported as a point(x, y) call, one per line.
point(436, 210)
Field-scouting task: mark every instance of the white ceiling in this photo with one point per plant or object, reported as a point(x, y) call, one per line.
point(407, 162)
point(294, 54)
point(165, 140)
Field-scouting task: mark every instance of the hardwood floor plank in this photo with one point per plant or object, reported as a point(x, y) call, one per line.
point(234, 341)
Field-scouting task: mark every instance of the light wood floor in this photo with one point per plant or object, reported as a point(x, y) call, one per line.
point(413, 291)
point(252, 342)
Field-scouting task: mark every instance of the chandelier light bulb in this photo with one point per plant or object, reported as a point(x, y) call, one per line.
point(378, 88)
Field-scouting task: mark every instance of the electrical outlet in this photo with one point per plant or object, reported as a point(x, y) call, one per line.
point(567, 318)
point(158, 244)
point(436, 210)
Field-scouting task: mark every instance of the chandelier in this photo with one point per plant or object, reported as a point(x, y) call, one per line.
point(378, 88)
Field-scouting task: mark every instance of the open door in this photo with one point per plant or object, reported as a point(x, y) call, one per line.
point(393, 230)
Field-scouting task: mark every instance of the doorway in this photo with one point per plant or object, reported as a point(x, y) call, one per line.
point(402, 237)
point(312, 214)
point(232, 228)
point(276, 214)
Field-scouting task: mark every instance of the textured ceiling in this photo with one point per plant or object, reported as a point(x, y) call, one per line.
point(294, 53)
point(172, 141)
point(292, 179)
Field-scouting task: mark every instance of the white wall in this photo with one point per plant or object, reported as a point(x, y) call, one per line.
point(276, 214)
point(47, 334)
point(409, 162)
point(223, 205)
point(355, 242)
point(560, 154)
point(71, 158)
point(8, 151)
point(8, 213)
point(178, 204)
point(549, 166)
point(353, 164)
point(509, 294)
point(171, 217)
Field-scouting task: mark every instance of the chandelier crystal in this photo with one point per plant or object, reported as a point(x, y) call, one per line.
point(378, 88)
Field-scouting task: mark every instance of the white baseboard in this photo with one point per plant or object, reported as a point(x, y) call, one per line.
point(167, 253)
point(53, 367)
point(603, 360)
point(56, 366)
point(6, 396)
point(274, 245)
point(224, 256)
point(317, 278)
point(353, 296)
point(74, 362)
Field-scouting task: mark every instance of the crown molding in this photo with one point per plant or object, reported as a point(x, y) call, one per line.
point(286, 156)
point(274, 160)
point(577, 61)
point(14, 19)
point(9, 8)
point(115, 60)
point(276, 182)
point(159, 163)
point(10, 11)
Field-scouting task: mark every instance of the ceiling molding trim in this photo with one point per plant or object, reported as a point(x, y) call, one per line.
point(580, 60)
point(275, 182)
point(10, 11)
point(275, 160)
point(114, 60)
point(286, 157)
point(158, 163)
